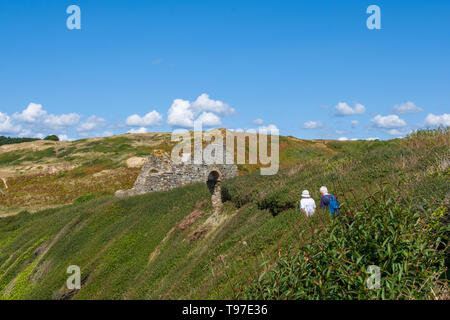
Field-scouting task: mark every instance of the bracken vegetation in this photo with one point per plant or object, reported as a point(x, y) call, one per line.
point(168, 245)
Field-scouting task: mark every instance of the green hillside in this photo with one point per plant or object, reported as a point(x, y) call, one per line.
point(46, 174)
point(395, 203)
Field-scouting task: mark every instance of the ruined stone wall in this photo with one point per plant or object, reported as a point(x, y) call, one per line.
point(160, 173)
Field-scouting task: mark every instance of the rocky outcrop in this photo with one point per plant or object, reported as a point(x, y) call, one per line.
point(136, 162)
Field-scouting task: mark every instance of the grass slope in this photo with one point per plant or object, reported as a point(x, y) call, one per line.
point(43, 174)
point(171, 245)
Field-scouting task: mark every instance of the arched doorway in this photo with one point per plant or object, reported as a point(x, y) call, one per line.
point(213, 184)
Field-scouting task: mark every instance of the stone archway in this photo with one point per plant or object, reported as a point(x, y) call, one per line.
point(213, 183)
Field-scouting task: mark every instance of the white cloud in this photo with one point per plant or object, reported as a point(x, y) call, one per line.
point(204, 103)
point(62, 120)
point(271, 128)
point(209, 119)
point(373, 139)
point(258, 121)
point(139, 130)
point(395, 132)
point(36, 115)
point(343, 109)
point(407, 107)
point(343, 139)
point(355, 123)
point(438, 120)
point(91, 123)
point(7, 126)
point(39, 135)
point(388, 122)
point(182, 113)
point(31, 114)
point(150, 119)
point(312, 125)
point(63, 137)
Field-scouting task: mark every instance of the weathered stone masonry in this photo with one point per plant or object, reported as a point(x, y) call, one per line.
point(160, 173)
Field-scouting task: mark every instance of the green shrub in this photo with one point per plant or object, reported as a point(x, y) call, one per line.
point(52, 138)
point(386, 233)
point(279, 200)
point(9, 140)
point(242, 190)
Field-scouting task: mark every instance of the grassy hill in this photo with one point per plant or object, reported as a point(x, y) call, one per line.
point(44, 174)
point(171, 245)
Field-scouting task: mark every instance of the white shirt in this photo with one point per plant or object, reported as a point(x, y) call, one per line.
point(309, 205)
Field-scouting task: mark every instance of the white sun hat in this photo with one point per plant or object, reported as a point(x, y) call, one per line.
point(305, 194)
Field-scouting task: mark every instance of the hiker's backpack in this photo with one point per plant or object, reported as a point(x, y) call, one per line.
point(334, 205)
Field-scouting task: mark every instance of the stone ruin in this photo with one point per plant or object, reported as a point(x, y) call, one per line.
point(160, 173)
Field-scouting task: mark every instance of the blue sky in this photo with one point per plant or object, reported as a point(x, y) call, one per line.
point(311, 68)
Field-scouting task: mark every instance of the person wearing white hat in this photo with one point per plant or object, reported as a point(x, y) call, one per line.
point(307, 204)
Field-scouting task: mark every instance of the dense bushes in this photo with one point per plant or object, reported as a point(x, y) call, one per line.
point(403, 243)
point(245, 189)
point(279, 201)
point(52, 138)
point(9, 140)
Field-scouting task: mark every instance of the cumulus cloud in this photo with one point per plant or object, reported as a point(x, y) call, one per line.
point(31, 114)
point(7, 126)
point(407, 107)
point(92, 123)
point(150, 119)
point(388, 122)
point(343, 139)
point(182, 113)
point(209, 119)
point(343, 109)
point(271, 128)
point(204, 103)
point(61, 121)
point(37, 135)
point(396, 132)
point(258, 121)
point(312, 125)
point(438, 120)
point(139, 130)
point(355, 123)
point(36, 115)
point(372, 138)
point(63, 137)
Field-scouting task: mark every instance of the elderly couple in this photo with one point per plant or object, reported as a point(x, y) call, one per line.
point(327, 201)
